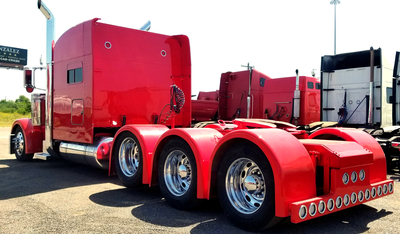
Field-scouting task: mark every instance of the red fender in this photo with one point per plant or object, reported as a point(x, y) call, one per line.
point(202, 142)
point(294, 173)
point(147, 136)
point(33, 135)
point(378, 169)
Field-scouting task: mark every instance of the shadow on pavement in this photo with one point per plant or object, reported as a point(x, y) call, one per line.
point(37, 176)
point(149, 206)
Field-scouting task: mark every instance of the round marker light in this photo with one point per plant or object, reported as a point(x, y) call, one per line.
point(362, 175)
point(331, 204)
point(354, 176)
point(346, 199)
point(353, 198)
point(385, 189)
point(339, 202)
point(360, 196)
point(379, 190)
point(321, 207)
point(390, 188)
point(303, 212)
point(345, 178)
point(373, 192)
point(312, 210)
point(367, 194)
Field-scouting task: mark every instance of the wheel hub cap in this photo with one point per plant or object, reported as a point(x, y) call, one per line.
point(245, 186)
point(129, 157)
point(19, 143)
point(177, 173)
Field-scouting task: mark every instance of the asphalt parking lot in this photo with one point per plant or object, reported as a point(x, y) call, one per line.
point(61, 197)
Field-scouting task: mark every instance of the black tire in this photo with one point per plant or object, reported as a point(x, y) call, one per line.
point(255, 210)
point(128, 159)
point(177, 175)
point(19, 146)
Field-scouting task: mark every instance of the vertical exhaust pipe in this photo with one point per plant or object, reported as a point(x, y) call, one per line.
point(249, 94)
point(296, 99)
point(47, 144)
point(371, 89)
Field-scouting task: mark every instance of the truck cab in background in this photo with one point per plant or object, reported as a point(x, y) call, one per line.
point(361, 89)
point(269, 98)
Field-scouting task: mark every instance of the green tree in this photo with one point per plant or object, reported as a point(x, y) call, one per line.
point(22, 105)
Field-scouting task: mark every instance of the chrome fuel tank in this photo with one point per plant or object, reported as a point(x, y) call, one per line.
point(95, 155)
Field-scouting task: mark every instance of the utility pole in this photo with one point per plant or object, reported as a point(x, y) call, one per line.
point(335, 2)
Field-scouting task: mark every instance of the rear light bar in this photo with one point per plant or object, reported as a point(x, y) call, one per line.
point(326, 204)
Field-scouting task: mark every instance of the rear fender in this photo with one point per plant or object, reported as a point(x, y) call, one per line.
point(202, 142)
point(294, 173)
point(378, 168)
point(33, 135)
point(147, 136)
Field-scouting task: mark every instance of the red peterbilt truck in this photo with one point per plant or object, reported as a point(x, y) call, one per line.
point(115, 100)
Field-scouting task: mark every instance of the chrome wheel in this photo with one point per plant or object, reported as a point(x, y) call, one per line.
point(129, 157)
point(245, 186)
point(177, 173)
point(19, 143)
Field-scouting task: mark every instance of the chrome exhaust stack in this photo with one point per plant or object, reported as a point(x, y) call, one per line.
point(296, 100)
point(47, 143)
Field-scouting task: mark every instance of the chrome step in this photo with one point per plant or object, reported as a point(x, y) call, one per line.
point(43, 156)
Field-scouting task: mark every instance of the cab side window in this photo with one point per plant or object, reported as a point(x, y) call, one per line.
point(74, 75)
point(310, 85)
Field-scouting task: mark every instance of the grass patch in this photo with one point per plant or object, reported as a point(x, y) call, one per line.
point(7, 119)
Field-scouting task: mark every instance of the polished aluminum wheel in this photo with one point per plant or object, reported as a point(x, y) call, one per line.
point(19, 143)
point(129, 157)
point(245, 186)
point(177, 173)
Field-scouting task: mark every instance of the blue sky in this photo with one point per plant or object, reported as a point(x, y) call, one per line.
point(277, 37)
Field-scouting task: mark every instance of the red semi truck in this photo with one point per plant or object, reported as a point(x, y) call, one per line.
point(116, 100)
point(252, 94)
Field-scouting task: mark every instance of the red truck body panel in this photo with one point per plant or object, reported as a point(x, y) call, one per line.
point(123, 74)
point(278, 99)
point(234, 89)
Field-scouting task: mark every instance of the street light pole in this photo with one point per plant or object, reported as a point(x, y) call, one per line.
point(335, 2)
